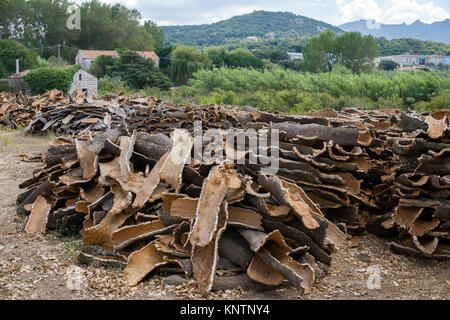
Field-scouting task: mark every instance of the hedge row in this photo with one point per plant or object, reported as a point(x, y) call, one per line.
point(43, 79)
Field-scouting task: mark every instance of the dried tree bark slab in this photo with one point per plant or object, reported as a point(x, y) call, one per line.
point(205, 258)
point(102, 233)
point(288, 197)
point(150, 183)
point(142, 262)
point(173, 167)
point(37, 222)
point(342, 136)
point(272, 260)
point(129, 235)
point(300, 237)
point(213, 193)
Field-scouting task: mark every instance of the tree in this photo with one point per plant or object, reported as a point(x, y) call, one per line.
point(157, 34)
point(242, 58)
point(138, 72)
point(277, 55)
point(443, 67)
point(11, 12)
point(291, 64)
point(216, 55)
point(355, 51)
point(318, 53)
point(10, 50)
point(164, 58)
point(99, 67)
point(388, 65)
point(350, 49)
point(42, 23)
point(185, 61)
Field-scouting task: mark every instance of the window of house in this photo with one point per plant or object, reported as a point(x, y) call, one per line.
point(79, 77)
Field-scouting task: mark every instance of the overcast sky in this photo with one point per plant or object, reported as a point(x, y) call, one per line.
point(179, 12)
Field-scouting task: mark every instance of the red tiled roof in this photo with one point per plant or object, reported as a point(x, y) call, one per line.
point(93, 54)
point(21, 74)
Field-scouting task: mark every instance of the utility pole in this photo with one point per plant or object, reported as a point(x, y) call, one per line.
point(59, 55)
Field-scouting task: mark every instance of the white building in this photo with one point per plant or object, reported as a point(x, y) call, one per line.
point(413, 59)
point(295, 56)
point(85, 57)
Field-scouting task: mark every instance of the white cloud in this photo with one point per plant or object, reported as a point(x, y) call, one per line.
point(359, 9)
point(391, 11)
point(411, 10)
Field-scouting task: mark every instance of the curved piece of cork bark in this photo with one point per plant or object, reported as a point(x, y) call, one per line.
point(126, 150)
point(92, 194)
point(101, 234)
point(406, 216)
point(122, 199)
point(185, 209)
point(205, 258)
point(436, 127)
point(287, 194)
point(37, 222)
point(272, 260)
point(142, 262)
point(342, 136)
point(88, 159)
point(207, 213)
point(129, 235)
point(181, 151)
point(422, 227)
point(150, 183)
point(427, 246)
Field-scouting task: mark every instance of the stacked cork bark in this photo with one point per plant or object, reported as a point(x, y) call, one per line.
point(122, 183)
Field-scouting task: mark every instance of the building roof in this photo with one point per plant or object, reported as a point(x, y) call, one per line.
point(20, 75)
point(93, 54)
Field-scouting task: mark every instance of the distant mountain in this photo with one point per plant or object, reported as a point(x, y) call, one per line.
point(261, 24)
point(436, 31)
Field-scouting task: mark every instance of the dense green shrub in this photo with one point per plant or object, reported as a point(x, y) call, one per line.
point(441, 101)
point(47, 78)
point(99, 67)
point(242, 58)
point(387, 65)
point(111, 85)
point(290, 91)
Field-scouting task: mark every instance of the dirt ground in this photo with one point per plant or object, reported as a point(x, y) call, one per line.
point(36, 266)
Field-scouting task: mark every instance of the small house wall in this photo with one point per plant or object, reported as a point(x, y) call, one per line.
point(88, 83)
point(19, 84)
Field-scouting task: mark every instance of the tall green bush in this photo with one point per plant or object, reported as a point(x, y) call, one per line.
point(43, 79)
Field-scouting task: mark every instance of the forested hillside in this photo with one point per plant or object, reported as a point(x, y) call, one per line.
point(259, 24)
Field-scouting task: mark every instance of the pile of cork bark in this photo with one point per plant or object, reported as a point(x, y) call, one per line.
point(135, 190)
point(16, 110)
